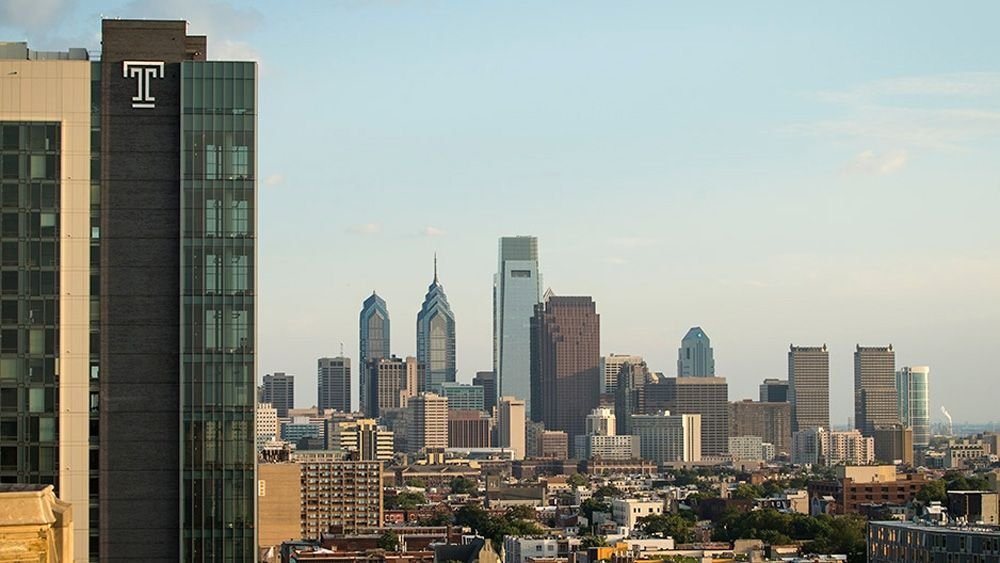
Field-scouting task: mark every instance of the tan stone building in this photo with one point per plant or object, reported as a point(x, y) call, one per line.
point(279, 503)
point(35, 526)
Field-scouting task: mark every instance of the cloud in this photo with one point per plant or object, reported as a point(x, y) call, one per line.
point(274, 180)
point(871, 163)
point(34, 16)
point(367, 229)
point(938, 112)
point(433, 232)
point(616, 260)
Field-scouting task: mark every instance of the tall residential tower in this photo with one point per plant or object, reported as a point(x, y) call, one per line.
point(874, 388)
point(517, 288)
point(913, 394)
point(809, 386)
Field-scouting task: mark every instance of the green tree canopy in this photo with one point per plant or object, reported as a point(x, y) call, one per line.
point(388, 541)
point(405, 500)
point(577, 480)
point(464, 485)
point(664, 525)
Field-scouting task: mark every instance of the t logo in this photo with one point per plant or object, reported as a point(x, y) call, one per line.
point(143, 72)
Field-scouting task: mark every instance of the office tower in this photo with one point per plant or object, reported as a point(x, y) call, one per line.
point(601, 422)
point(565, 333)
point(809, 386)
point(338, 495)
point(392, 382)
point(266, 425)
point(772, 422)
point(611, 365)
point(279, 392)
point(665, 437)
point(488, 381)
point(632, 378)
point(912, 391)
point(517, 288)
point(435, 338)
point(893, 443)
point(333, 381)
point(707, 396)
point(774, 391)
point(695, 357)
point(601, 440)
point(374, 338)
point(427, 422)
point(45, 279)
point(511, 414)
point(553, 444)
point(463, 397)
point(874, 388)
point(468, 428)
point(365, 439)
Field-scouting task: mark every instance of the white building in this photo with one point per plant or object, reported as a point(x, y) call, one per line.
point(608, 447)
point(819, 446)
point(266, 422)
point(610, 368)
point(625, 512)
point(511, 413)
point(666, 438)
point(746, 448)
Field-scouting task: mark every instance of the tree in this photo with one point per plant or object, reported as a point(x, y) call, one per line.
point(464, 486)
point(933, 491)
point(592, 505)
point(415, 482)
point(577, 480)
point(663, 525)
point(521, 512)
point(588, 541)
point(608, 491)
point(748, 491)
point(405, 501)
point(388, 541)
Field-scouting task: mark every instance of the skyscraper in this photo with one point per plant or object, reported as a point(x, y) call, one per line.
point(391, 383)
point(611, 365)
point(373, 335)
point(707, 396)
point(435, 338)
point(511, 414)
point(665, 437)
point(279, 392)
point(127, 274)
point(695, 356)
point(566, 336)
point(333, 382)
point(913, 394)
point(809, 386)
point(488, 381)
point(517, 288)
point(427, 422)
point(774, 391)
point(874, 388)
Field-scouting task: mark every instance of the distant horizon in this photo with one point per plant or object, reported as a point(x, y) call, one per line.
point(805, 174)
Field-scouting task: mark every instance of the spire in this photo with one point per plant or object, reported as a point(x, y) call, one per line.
point(435, 267)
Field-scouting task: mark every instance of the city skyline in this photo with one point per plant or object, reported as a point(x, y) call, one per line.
point(777, 145)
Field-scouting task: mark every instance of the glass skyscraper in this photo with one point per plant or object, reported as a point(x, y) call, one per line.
point(373, 334)
point(517, 288)
point(435, 338)
point(913, 395)
point(695, 357)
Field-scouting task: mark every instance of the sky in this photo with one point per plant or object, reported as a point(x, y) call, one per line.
point(774, 172)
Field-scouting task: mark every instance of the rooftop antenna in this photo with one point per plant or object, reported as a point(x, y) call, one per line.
point(341, 349)
point(435, 267)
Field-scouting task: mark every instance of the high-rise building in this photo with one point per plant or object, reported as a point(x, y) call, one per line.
point(875, 400)
point(279, 392)
point(809, 386)
point(463, 397)
point(629, 399)
point(774, 391)
point(127, 273)
point(565, 333)
point(338, 495)
point(893, 443)
point(601, 422)
point(333, 381)
point(611, 366)
point(665, 437)
point(707, 396)
point(553, 444)
point(511, 415)
point(771, 421)
point(488, 381)
point(913, 401)
point(517, 288)
point(817, 445)
point(364, 438)
point(374, 338)
point(427, 422)
point(391, 382)
point(435, 338)
point(469, 428)
point(695, 357)
point(266, 425)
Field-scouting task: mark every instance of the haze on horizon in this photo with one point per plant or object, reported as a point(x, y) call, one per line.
point(773, 173)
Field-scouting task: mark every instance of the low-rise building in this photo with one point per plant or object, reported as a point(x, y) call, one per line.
point(912, 542)
point(856, 486)
point(626, 512)
point(35, 525)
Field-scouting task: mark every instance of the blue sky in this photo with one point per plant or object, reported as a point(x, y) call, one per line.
point(775, 172)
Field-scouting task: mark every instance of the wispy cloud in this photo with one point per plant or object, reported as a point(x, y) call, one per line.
point(878, 164)
point(616, 260)
point(366, 229)
point(433, 232)
point(937, 112)
point(274, 180)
